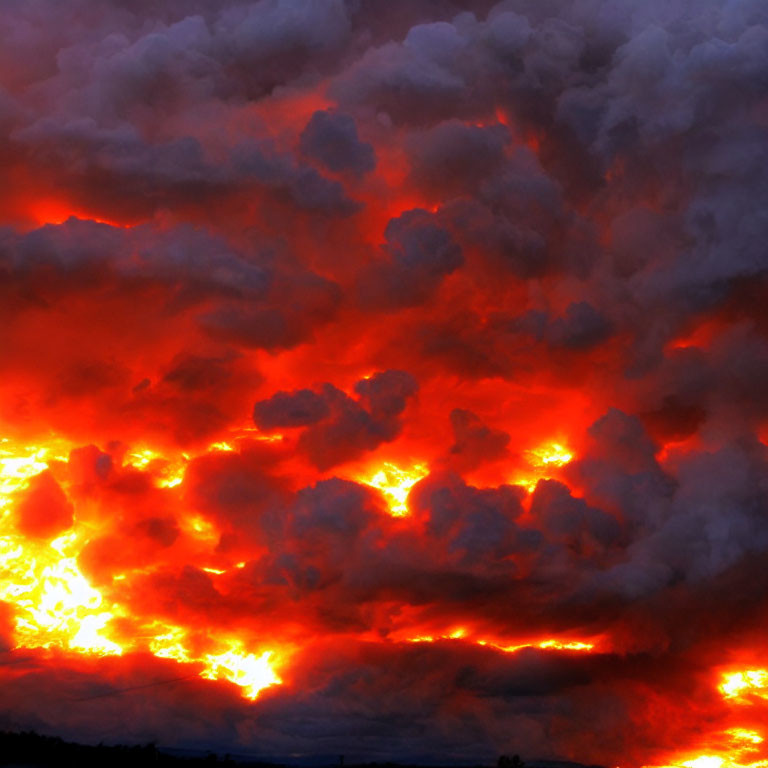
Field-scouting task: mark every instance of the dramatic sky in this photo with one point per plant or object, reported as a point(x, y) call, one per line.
point(386, 377)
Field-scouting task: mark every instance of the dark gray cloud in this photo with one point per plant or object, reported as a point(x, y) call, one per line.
point(419, 252)
point(330, 138)
point(338, 427)
point(290, 409)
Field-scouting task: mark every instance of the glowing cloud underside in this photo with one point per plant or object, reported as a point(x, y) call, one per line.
point(387, 369)
point(395, 484)
point(55, 606)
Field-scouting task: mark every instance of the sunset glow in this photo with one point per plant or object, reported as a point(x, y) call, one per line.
point(542, 462)
point(56, 607)
point(386, 380)
point(744, 683)
point(395, 484)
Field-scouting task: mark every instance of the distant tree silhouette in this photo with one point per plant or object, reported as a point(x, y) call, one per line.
point(505, 761)
point(36, 751)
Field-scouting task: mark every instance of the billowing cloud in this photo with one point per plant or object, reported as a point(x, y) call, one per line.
point(394, 378)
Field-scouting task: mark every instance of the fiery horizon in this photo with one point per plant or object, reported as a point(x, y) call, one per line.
point(386, 379)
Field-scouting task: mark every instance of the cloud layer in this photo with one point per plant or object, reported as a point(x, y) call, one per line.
point(257, 256)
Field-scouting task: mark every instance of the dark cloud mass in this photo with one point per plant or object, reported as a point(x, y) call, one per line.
point(419, 344)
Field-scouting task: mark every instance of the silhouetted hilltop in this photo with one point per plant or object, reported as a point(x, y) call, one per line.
point(32, 750)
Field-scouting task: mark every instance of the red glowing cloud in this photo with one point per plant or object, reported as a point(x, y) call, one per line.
point(399, 374)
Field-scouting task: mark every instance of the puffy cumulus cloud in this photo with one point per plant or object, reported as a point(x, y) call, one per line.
point(291, 409)
point(418, 254)
point(477, 526)
point(326, 330)
point(144, 177)
point(133, 284)
point(339, 427)
point(515, 219)
point(454, 158)
point(331, 139)
point(232, 488)
point(620, 469)
point(580, 327)
point(571, 520)
point(707, 525)
point(418, 80)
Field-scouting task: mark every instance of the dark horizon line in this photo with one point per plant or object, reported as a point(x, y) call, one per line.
point(30, 748)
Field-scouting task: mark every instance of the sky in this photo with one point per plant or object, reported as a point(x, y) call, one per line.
point(386, 379)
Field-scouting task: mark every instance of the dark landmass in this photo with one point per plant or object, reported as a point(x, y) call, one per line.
point(32, 750)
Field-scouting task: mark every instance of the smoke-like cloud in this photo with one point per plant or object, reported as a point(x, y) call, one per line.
point(422, 347)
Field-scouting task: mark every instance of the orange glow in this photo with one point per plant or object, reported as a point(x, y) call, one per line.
point(200, 528)
point(386, 379)
point(736, 747)
point(457, 634)
point(705, 761)
point(547, 645)
point(744, 683)
point(541, 463)
point(169, 643)
point(738, 751)
point(166, 473)
point(552, 454)
point(556, 645)
point(395, 484)
point(55, 605)
point(700, 336)
point(252, 673)
point(744, 736)
point(52, 211)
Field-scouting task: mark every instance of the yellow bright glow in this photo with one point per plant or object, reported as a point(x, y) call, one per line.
point(705, 761)
point(54, 604)
point(142, 459)
point(167, 474)
point(556, 645)
point(253, 673)
point(221, 446)
point(200, 528)
point(461, 633)
point(736, 760)
point(172, 482)
point(743, 735)
point(171, 476)
point(541, 461)
point(571, 646)
point(396, 483)
point(745, 682)
point(736, 747)
point(715, 761)
point(552, 454)
point(170, 644)
point(457, 634)
point(19, 463)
